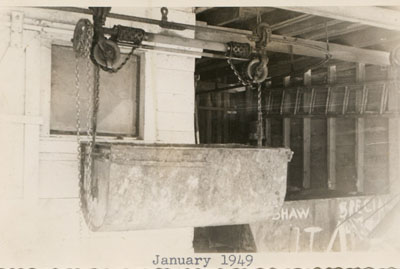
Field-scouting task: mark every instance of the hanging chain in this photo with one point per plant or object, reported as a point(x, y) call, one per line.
point(237, 74)
point(259, 117)
point(89, 148)
point(115, 70)
point(78, 120)
point(82, 41)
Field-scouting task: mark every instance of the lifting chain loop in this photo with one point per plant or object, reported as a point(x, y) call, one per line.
point(133, 36)
point(259, 117)
point(82, 41)
point(257, 70)
point(115, 70)
point(231, 50)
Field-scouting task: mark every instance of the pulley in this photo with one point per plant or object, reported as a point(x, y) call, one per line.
point(106, 53)
point(83, 37)
point(257, 69)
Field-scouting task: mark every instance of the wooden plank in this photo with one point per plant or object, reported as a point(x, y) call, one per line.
point(226, 97)
point(225, 15)
point(209, 120)
point(32, 120)
point(32, 108)
point(368, 15)
point(343, 28)
point(249, 111)
point(331, 139)
point(371, 37)
point(338, 52)
point(360, 127)
point(222, 15)
point(307, 137)
point(218, 100)
point(267, 126)
point(311, 26)
point(268, 138)
point(199, 10)
point(290, 22)
point(45, 85)
point(393, 149)
point(286, 121)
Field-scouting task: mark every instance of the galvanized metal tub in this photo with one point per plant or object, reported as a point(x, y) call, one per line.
point(151, 186)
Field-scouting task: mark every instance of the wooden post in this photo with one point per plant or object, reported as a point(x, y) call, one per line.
point(286, 121)
point(331, 138)
point(218, 99)
point(209, 120)
point(360, 76)
point(393, 149)
point(226, 97)
point(32, 108)
point(307, 136)
point(267, 127)
point(249, 110)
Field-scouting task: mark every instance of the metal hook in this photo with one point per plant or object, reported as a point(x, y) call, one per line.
point(164, 14)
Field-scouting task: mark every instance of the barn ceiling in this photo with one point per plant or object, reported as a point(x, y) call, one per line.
point(375, 28)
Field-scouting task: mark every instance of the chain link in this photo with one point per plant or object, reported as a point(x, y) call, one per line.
point(248, 83)
point(83, 36)
point(78, 119)
point(259, 117)
point(243, 81)
point(88, 153)
point(124, 62)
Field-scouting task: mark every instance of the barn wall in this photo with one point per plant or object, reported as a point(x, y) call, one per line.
point(38, 175)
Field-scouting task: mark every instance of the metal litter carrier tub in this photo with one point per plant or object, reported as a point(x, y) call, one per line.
point(152, 186)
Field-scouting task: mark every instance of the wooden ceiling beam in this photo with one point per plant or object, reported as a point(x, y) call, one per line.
point(199, 10)
point(371, 37)
point(291, 21)
point(301, 30)
point(340, 30)
point(226, 15)
point(297, 46)
point(373, 16)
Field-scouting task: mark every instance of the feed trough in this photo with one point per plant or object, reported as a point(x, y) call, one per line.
point(151, 186)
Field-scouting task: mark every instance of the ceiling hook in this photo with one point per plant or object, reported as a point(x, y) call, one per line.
point(164, 14)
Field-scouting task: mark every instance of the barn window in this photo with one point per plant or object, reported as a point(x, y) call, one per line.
point(119, 96)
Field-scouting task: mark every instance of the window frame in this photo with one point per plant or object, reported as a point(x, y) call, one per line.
point(46, 89)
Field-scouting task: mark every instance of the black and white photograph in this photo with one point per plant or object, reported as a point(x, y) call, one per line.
point(197, 135)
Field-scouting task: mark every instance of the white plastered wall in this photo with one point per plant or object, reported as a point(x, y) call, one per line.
point(39, 207)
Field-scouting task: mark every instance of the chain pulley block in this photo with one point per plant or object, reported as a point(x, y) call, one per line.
point(83, 38)
point(239, 50)
point(257, 69)
point(126, 35)
point(106, 53)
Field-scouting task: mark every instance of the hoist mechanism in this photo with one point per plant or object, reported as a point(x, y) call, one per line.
point(105, 50)
point(132, 186)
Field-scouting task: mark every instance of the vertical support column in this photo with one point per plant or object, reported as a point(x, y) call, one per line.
point(360, 76)
point(393, 149)
point(286, 121)
point(267, 126)
point(307, 136)
point(32, 108)
point(209, 119)
point(249, 110)
point(148, 100)
point(218, 99)
point(45, 85)
point(331, 138)
point(226, 117)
